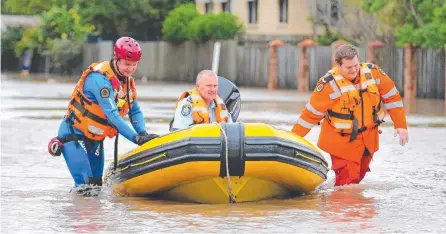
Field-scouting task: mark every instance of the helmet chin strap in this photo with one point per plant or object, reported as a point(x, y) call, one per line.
point(120, 76)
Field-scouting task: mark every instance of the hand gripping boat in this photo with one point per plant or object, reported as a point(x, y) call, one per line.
point(212, 163)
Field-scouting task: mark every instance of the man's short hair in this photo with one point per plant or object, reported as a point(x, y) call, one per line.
point(345, 51)
point(204, 73)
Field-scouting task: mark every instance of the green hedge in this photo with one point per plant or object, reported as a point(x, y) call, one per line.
point(185, 23)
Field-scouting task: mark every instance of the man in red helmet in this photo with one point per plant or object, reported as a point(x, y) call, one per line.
point(104, 94)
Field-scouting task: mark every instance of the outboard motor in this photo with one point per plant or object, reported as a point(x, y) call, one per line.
point(231, 96)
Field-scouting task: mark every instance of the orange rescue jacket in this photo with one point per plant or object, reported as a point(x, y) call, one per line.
point(88, 116)
point(351, 112)
point(200, 113)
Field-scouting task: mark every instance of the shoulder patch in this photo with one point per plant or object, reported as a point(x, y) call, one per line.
point(186, 109)
point(327, 79)
point(105, 93)
point(319, 87)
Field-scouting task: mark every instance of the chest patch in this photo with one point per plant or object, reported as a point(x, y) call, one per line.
point(187, 108)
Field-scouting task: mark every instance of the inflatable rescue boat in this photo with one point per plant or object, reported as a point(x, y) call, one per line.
point(212, 163)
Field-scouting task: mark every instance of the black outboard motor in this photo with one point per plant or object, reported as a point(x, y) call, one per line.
point(231, 96)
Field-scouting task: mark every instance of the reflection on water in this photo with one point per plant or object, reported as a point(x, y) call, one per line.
point(347, 205)
point(403, 193)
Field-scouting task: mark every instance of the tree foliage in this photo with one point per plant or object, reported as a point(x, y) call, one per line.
point(141, 19)
point(60, 35)
point(417, 22)
point(185, 23)
point(10, 37)
point(31, 7)
point(175, 26)
point(220, 26)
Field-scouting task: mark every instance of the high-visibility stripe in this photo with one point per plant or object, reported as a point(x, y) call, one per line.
point(348, 88)
point(95, 130)
point(337, 92)
point(392, 92)
point(313, 110)
point(343, 125)
point(98, 66)
point(305, 123)
point(338, 77)
point(195, 97)
point(202, 109)
point(394, 105)
point(365, 70)
point(367, 83)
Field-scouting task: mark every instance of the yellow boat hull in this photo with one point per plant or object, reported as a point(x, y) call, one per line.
point(190, 165)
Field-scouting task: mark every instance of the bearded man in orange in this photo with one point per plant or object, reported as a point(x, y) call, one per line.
point(352, 99)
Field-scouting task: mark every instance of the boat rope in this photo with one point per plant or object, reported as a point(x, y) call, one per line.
point(231, 195)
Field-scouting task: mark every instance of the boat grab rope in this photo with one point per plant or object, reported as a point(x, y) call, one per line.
point(231, 195)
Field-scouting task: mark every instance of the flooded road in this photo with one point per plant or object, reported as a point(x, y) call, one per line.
point(405, 192)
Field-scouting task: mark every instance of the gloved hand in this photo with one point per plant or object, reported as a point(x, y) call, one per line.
point(144, 137)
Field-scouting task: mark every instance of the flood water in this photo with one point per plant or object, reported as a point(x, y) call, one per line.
point(405, 192)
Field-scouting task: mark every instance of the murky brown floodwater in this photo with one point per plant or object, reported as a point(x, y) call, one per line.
point(405, 192)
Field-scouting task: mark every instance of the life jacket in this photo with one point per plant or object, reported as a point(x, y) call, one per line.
point(200, 113)
point(88, 116)
point(360, 106)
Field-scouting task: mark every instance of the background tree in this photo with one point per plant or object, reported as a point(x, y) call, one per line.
point(418, 22)
point(31, 7)
point(176, 24)
point(220, 26)
point(346, 20)
point(60, 36)
point(185, 23)
point(9, 38)
point(141, 19)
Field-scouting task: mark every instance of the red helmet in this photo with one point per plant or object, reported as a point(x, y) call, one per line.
point(127, 48)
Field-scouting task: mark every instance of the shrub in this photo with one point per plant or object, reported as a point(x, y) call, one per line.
point(60, 35)
point(176, 23)
point(185, 23)
point(221, 26)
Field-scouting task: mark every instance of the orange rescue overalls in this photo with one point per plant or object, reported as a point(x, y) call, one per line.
point(351, 114)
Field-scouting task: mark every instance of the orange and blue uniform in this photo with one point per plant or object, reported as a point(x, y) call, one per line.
point(98, 104)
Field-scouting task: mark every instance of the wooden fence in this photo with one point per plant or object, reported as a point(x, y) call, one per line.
point(248, 64)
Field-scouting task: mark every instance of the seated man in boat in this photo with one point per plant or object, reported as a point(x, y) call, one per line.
point(201, 105)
